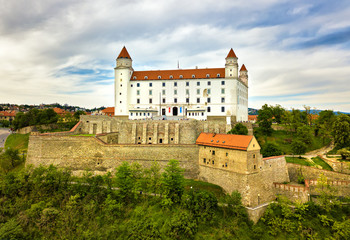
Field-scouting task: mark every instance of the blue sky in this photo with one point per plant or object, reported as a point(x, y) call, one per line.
point(296, 52)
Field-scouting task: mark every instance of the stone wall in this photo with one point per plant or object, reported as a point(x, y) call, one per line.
point(313, 173)
point(343, 167)
point(293, 192)
point(82, 153)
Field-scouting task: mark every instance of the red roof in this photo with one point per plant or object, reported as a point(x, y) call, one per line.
point(8, 114)
point(124, 53)
point(252, 117)
point(175, 74)
point(108, 111)
point(231, 54)
point(59, 110)
point(243, 68)
point(239, 142)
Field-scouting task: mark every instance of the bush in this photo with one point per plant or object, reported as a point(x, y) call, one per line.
point(239, 129)
point(271, 149)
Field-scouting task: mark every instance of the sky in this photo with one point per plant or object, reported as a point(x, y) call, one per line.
point(297, 52)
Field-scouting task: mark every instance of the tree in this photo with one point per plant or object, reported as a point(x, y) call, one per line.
point(239, 129)
point(344, 152)
point(298, 147)
point(296, 119)
point(124, 181)
point(78, 113)
point(278, 112)
point(341, 131)
point(173, 181)
point(304, 134)
point(265, 119)
point(271, 149)
point(9, 159)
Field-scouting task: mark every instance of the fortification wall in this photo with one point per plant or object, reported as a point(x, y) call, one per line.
point(81, 153)
point(255, 188)
point(313, 173)
point(293, 192)
point(343, 167)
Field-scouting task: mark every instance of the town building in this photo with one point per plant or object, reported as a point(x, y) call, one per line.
point(108, 111)
point(7, 115)
point(201, 94)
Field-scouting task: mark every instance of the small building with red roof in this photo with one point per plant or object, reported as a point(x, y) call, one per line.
point(108, 111)
point(7, 115)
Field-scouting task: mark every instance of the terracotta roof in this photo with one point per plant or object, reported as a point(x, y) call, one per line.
point(108, 110)
point(8, 114)
point(231, 54)
point(124, 53)
point(59, 110)
point(175, 74)
point(252, 117)
point(239, 142)
point(243, 68)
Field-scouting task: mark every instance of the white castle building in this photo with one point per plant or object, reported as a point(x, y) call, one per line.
point(202, 94)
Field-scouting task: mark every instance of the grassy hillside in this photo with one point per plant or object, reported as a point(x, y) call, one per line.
point(17, 141)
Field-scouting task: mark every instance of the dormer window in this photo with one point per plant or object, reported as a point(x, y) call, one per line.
point(146, 77)
point(171, 77)
point(181, 76)
point(134, 77)
point(159, 77)
point(208, 75)
point(218, 75)
point(193, 76)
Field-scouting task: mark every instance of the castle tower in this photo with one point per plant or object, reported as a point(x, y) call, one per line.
point(243, 75)
point(231, 66)
point(123, 72)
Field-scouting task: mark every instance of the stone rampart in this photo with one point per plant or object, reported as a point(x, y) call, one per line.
point(82, 153)
point(293, 192)
point(343, 167)
point(313, 173)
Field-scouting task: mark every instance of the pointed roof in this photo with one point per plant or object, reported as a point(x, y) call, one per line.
point(243, 68)
point(239, 142)
point(231, 54)
point(124, 53)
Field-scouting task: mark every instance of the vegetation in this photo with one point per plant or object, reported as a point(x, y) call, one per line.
point(4, 123)
point(34, 117)
point(239, 129)
point(319, 161)
point(17, 142)
point(315, 161)
point(344, 153)
point(271, 149)
point(300, 161)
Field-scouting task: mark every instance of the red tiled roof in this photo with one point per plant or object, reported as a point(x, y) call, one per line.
point(243, 68)
point(108, 110)
point(239, 142)
point(8, 114)
point(252, 117)
point(124, 53)
point(186, 74)
point(231, 54)
point(59, 110)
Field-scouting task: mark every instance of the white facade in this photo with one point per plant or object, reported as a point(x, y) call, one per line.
point(188, 94)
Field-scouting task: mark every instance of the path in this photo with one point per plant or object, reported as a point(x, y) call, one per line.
point(4, 132)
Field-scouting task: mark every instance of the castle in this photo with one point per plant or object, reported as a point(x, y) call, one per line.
point(201, 94)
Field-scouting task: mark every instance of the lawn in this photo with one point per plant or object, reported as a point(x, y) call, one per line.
point(18, 141)
point(300, 161)
point(319, 161)
point(195, 184)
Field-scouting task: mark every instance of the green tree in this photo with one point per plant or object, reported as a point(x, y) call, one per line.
point(271, 149)
point(173, 182)
point(78, 113)
point(341, 131)
point(239, 129)
point(265, 119)
point(278, 112)
point(298, 147)
point(125, 181)
point(344, 152)
point(304, 134)
point(9, 159)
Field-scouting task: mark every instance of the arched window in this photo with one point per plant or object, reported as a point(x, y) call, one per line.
point(159, 77)
point(193, 76)
point(208, 75)
point(134, 77)
point(181, 76)
point(218, 75)
point(146, 77)
point(171, 77)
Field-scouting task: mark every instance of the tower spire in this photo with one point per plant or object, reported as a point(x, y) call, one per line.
point(124, 53)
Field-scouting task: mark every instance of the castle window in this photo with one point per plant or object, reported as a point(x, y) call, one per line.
point(181, 76)
point(198, 83)
point(230, 74)
point(147, 114)
point(208, 109)
point(160, 140)
point(187, 91)
point(163, 100)
point(222, 82)
point(253, 155)
point(134, 77)
point(254, 166)
point(121, 85)
point(150, 100)
point(159, 77)
point(121, 80)
point(222, 109)
point(137, 115)
point(150, 92)
point(209, 91)
point(144, 114)
point(218, 75)
point(120, 93)
point(202, 113)
point(146, 77)
point(150, 84)
point(171, 77)
point(163, 84)
point(187, 100)
point(225, 164)
point(193, 76)
point(208, 76)
point(222, 90)
point(208, 99)
point(226, 154)
point(187, 84)
point(138, 100)
point(209, 83)
point(253, 145)
point(131, 85)
point(212, 162)
point(139, 138)
point(120, 102)
point(175, 84)
point(198, 100)
point(130, 114)
point(198, 91)
point(175, 92)
point(137, 84)
point(175, 100)
point(163, 92)
point(150, 138)
point(138, 92)
point(171, 139)
point(204, 160)
point(213, 152)
point(222, 100)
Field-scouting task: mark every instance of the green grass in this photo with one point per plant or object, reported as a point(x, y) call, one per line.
point(300, 161)
point(333, 151)
point(319, 161)
point(17, 141)
point(195, 184)
point(283, 140)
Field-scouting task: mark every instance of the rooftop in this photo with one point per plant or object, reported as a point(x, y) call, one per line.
point(239, 142)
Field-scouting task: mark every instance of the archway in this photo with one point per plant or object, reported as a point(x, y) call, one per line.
point(174, 111)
